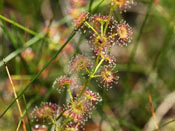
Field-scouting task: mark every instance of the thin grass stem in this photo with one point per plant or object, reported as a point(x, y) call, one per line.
point(18, 25)
point(27, 114)
point(38, 74)
point(14, 92)
point(152, 111)
point(18, 51)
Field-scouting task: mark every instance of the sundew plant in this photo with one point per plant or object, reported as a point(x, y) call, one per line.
point(87, 65)
point(103, 33)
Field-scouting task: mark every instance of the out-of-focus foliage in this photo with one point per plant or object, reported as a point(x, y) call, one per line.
point(146, 65)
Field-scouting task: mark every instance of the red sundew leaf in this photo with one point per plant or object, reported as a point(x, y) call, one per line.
point(108, 78)
point(45, 112)
point(124, 33)
point(79, 63)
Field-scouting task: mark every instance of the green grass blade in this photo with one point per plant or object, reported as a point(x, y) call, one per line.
point(18, 51)
point(27, 113)
point(17, 25)
point(133, 52)
point(95, 9)
point(28, 106)
point(90, 5)
point(165, 124)
point(38, 74)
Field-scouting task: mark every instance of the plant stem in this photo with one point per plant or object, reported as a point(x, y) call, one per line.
point(57, 119)
point(18, 25)
point(97, 76)
point(54, 122)
point(97, 60)
point(91, 27)
point(91, 76)
point(87, 70)
point(112, 35)
point(109, 18)
point(70, 94)
point(66, 121)
point(102, 24)
point(19, 124)
point(27, 107)
point(165, 124)
point(84, 87)
point(14, 91)
point(152, 111)
point(97, 67)
point(90, 5)
point(25, 103)
point(95, 9)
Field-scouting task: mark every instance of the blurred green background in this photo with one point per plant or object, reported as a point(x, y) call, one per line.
point(147, 65)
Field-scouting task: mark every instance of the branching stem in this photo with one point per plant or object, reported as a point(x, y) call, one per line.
point(96, 67)
point(91, 27)
point(70, 93)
